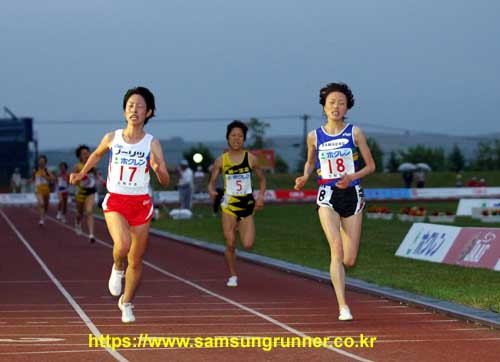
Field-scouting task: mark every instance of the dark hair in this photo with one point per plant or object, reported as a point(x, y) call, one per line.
point(80, 149)
point(149, 98)
point(44, 158)
point(336, 87)
point(64, 164)
point(237, 124)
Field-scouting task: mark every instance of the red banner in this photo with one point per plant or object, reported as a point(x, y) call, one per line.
point(265, 158)
point(475, 247)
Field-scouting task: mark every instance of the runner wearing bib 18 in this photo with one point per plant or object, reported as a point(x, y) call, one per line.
point(333, 151)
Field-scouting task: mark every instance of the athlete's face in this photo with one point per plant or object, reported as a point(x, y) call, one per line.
point(42, 163)
point(236, 138)
point(335, 106)
point(84, 155)
point(136, 110)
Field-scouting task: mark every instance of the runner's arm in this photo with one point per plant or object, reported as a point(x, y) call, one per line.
point(94, 158)
point(310, 164)
point(262, 181)
point(213, 177)
point(158, 163)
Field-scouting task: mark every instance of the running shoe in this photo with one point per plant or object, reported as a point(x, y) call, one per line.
point(345, 314)
point(92, 238)
point(78, 228)
point(232, 281)
point(59, 215)
point(126, 308)
point(41, 222)
point(115, 281)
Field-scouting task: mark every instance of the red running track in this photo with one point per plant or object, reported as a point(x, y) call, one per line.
point(55, 294)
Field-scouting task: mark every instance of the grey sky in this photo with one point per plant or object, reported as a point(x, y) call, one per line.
point(424, 65)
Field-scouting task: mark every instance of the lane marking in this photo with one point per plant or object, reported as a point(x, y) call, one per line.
point(91, 326)
point(227, 300)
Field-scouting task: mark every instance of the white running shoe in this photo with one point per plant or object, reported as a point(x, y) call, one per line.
point(59, 215)
point(92, 238)
point(126, 308)
point(232, 281)
point(41, 222)
point(78, 228)
point(345, 314)
point(115, 281)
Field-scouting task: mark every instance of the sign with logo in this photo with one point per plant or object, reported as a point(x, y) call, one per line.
point(466, 206)
point(475, 247)
point(429, 242)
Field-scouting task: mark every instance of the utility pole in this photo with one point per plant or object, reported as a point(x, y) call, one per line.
point(305, 117)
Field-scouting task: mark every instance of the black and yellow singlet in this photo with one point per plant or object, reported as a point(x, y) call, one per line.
point(86, 186)
point(238, 199)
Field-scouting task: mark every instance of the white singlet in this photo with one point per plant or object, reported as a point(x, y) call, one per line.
point(128, 171)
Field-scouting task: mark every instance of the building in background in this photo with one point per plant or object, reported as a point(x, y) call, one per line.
point(18, 147)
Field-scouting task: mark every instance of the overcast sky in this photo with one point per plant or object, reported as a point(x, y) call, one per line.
point(427, 65)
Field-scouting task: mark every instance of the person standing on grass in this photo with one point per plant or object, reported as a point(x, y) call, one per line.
point(42, 178)
point(237, 204)
point(128, 208)
point(333, 151)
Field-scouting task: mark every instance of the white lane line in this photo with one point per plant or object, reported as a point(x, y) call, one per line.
point(232, 302)
point(30, 322)
point(447, 340)
point(252, 311)
point(90, 325)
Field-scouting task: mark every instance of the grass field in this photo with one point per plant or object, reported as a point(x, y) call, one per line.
point(376, 180)
point(293, 233)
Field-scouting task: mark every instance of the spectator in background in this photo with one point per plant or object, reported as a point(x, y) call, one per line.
point(420, 178)
point(472, 182)
point(16, 181)
point(407, 178)
point(458, 180)
point(185, 185)
point(199, 180)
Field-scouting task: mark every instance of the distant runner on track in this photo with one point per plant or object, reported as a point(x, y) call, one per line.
point(42, 178)
point(237, 204)
point(333, 151)
point(128, 208)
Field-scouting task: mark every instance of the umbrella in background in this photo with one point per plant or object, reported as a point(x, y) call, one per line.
point(423, 166)
point(407, 166)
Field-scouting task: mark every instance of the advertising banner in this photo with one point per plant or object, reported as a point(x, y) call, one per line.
point(466, 206)
point(429, 242)
point(475, 247)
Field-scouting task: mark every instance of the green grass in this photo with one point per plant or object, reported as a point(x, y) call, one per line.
point(376, 180)
point(293, 233)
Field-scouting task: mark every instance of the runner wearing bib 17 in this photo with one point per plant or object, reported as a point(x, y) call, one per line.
point(238, 203)
point(127, 207)
point(333, 151)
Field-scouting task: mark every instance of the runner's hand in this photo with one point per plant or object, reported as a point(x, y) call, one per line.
point(344, 182)
point(300, 182)
point(259, 204)
point(75, 177)
point(212, 194)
